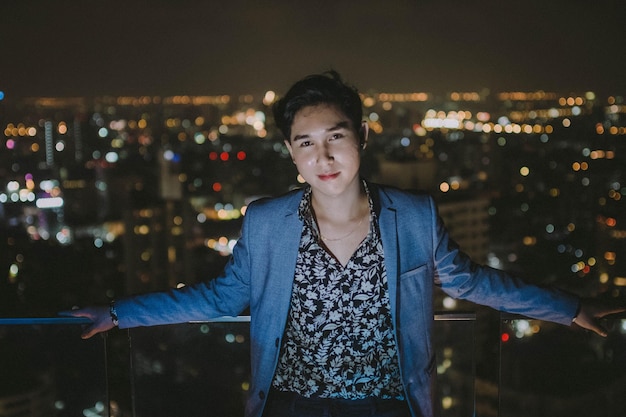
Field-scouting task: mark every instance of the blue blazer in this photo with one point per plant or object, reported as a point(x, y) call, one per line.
point(418, 255)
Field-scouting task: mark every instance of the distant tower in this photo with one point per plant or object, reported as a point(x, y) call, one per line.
point(78, 141)
point(155, 256)
point(145, 250)
point(467, 221)
point(409, 175)
point(170, 187)
point(49, 140)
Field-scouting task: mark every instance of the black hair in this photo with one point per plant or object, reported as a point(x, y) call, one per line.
point(326, 88)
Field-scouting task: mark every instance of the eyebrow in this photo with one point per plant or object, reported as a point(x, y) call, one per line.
point(345, 124)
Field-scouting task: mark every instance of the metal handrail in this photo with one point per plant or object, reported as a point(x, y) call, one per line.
point(24, 321)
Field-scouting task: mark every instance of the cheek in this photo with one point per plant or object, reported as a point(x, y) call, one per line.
point(352, 155)
point(303, 161)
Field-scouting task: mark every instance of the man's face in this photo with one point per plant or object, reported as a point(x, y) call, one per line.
point(325, 148)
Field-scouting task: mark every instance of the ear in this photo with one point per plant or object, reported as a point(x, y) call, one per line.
point(363, 134)
point(288, 145)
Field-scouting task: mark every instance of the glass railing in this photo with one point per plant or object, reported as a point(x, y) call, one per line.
point(550, 370)
point(201, 369)
point(192, 369)
point(46, 369)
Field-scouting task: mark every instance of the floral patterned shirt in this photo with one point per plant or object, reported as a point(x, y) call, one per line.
point(339, 340)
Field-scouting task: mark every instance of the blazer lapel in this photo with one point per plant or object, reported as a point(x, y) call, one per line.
point(389, 235)
point(285, 244)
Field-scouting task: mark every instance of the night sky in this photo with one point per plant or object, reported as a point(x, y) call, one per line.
point(159, 47)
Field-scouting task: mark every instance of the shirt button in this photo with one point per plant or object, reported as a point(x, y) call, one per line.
point(261, 395)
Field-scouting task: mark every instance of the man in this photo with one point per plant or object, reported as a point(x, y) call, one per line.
point(338, 277)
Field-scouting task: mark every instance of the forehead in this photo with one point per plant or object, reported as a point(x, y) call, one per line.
point(320, 116)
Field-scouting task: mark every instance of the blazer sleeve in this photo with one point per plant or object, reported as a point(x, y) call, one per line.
point(461, 278)
point(226, 295)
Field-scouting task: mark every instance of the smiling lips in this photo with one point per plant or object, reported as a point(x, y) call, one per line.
point(327, 177)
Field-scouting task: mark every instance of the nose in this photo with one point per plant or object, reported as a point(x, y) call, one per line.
point(325, 154)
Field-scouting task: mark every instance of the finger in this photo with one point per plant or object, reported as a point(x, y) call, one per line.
point(614, 310)
point(601, 331)
point(597, 328)
point(89, 332)
point(70, 313)
point(74, 313)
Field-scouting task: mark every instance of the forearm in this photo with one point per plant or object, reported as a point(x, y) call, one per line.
point(194, 303)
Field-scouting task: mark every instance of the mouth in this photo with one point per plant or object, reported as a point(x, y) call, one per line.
point(328, 177)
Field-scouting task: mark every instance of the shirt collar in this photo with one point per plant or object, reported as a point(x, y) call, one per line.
point(305, 211)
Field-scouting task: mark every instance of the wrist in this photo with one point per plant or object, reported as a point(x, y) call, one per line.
point(113, 314)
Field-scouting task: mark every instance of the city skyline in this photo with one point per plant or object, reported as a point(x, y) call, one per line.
point(118, 195)
point(109, 156)
point(68, 48)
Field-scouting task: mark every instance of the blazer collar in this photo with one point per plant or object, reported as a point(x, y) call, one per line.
point(386, 210)
point(388, 224)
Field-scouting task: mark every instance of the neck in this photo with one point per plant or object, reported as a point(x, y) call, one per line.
point(350, 205)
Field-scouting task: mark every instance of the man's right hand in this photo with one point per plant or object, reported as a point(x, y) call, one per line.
point(99, 315)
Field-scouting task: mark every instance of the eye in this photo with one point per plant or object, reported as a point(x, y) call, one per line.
point(305, 143)
point(337, 136)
